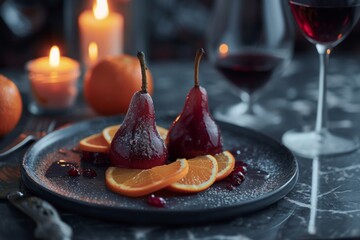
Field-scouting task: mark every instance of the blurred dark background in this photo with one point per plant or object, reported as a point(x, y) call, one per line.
point(165, 29)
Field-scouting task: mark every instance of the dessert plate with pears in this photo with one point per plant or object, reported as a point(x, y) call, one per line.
point(144, 168)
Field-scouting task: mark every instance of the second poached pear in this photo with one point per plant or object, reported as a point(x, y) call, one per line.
point(194, 132)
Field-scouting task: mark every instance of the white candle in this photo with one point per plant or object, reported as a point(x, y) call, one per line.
point(100, 29)
point(53, 80)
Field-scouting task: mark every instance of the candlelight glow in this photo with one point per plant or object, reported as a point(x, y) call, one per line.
point(100, 9)
point(54, 59)
point(223, 49)
point(93, 51)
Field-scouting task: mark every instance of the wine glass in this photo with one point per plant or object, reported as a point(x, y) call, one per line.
point(249, 42)
point(325, 23)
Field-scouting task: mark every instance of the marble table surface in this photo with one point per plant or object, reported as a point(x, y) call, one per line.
point(325, 203)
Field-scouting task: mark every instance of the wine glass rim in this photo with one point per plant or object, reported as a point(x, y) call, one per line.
point(327, 3)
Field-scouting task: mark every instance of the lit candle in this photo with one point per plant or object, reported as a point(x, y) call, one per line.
point(53, 80)
point(101, 33)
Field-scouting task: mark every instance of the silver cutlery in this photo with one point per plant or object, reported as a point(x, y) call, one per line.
point(49, 224)
point(34, 130)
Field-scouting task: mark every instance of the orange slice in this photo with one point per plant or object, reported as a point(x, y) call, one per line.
point(109, 132)
point(140, 182)
point(226, 163)
point(202, 174)
point(94, 143)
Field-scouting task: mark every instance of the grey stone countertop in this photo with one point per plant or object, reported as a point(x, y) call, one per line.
point(332, 211)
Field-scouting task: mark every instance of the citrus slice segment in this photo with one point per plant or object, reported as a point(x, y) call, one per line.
point(140, 182)
point(109, 132)
point(226, 163)
point(94, 143)
point(202, 174)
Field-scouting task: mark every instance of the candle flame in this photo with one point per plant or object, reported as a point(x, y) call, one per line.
point(93, 51)
point(223, 49)
point(101, 9)
point(54, 58)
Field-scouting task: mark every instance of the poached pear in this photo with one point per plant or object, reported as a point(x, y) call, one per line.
point(194, 132)
point(137, 143)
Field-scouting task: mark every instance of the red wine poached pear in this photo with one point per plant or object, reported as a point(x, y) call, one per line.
point(137, 143)
point(194, 132)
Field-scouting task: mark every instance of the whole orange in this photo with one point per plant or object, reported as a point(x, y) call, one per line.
point(10, 105)
point(110, 84)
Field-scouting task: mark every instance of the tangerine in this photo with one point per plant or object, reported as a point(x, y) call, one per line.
point(110, 84)
point(10, 105)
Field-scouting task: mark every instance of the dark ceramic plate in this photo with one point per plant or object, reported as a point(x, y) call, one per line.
point(273, 172)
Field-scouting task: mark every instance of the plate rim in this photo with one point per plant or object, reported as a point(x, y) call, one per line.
point(271, 197)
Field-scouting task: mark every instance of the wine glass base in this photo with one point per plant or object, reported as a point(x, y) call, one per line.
point(312, 144)
point(238, 115)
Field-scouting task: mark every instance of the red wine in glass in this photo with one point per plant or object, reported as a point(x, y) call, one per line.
point(325, 24)
point(249, 42)
point(248, 71)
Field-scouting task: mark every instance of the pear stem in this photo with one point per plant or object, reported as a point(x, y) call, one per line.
point(198, 56)
point(141, 57)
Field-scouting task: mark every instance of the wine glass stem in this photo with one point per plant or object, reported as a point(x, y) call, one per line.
point(248, 100)
point(321, 115)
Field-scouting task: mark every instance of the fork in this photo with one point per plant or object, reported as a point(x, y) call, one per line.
point(33, 131)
